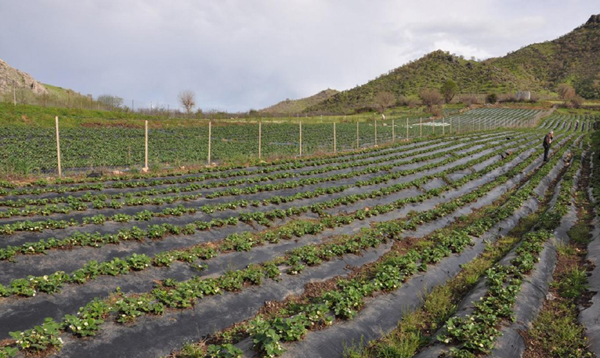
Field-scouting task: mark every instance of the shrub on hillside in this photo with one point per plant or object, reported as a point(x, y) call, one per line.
point(491, 98)
point(469, 99)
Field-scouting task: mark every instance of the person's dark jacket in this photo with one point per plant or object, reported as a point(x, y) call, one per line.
point(547, 141)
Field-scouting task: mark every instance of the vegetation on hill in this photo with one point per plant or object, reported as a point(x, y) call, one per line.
point(291, 106)
point(573, 58)
point(430, 71)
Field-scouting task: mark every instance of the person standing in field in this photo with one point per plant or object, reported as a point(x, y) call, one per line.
point(547, 141)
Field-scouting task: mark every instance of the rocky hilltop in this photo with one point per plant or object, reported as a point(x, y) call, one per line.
point(10, 77)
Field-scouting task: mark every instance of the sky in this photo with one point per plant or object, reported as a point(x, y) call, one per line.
point(237, 55)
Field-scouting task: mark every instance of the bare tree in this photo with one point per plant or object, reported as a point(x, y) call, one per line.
point(565, 91)
point(188, 100)
point(431, 98)
point(110, 101)
point(384, 100)
point(409, 101)
point(575, 102)
point(469, 99)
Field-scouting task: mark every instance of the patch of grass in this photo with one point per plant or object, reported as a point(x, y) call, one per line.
point(557, 333)
point(191, 350)
point(563, 249)
point(415, 327)
point(525, 225)
point(406, 341)
point(15, 168)
point(573, 283)
point(440, 305)
point(580, 233)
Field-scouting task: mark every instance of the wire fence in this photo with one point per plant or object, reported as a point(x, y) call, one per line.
point(34, 150)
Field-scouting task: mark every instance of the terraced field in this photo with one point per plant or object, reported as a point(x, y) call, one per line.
point(295, 258)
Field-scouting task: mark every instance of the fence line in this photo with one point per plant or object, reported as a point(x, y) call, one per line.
point(312, 138)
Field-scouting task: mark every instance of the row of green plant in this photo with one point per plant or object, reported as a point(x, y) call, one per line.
point(333, 163)
point(183, 294)
point(156, 232)
point(556, 331)
point(98, 199)
point(147, 215)
point(246, 241)
point(292, 321)
point(83, 148)
point(102, 201)
point(348, 162)
point(277, 164)
point(476, 333)
point(282, 164)
point(133, 306)
point(415, 328)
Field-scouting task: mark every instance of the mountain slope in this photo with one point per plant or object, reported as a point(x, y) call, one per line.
point(429, 71)
point(296, 106)
point(573, 58)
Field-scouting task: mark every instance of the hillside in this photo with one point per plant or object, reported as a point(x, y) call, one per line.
point(429, 71)
point(290, 106)
point(28, 90)
point(572, 58)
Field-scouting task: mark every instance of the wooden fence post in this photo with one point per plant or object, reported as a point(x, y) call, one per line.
point(259, 140)
point(443, 126)
point(406, 128)
point(357, 142)
point(375, 132)
point(209, 140)
point(58, 147)
point(300, 138)
point(420, 127)
point(146, 145)
point(393, 131)
point(334, 139)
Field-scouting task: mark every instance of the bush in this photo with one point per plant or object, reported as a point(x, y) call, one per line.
point(491, 98)
point(576, 102)
point(469, 99)
point(507, 98)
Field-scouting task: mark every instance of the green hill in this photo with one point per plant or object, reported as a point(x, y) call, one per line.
point(573, 58)
point(290, 106)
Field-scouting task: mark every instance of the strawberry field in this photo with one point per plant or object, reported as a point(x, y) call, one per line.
point(33, 150)
point(325, 256)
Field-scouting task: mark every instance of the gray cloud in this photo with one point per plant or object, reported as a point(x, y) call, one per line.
point(241, 54)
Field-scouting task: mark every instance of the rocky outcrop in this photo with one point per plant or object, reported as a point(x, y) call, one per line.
point(10, 77)
point(593, 21)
